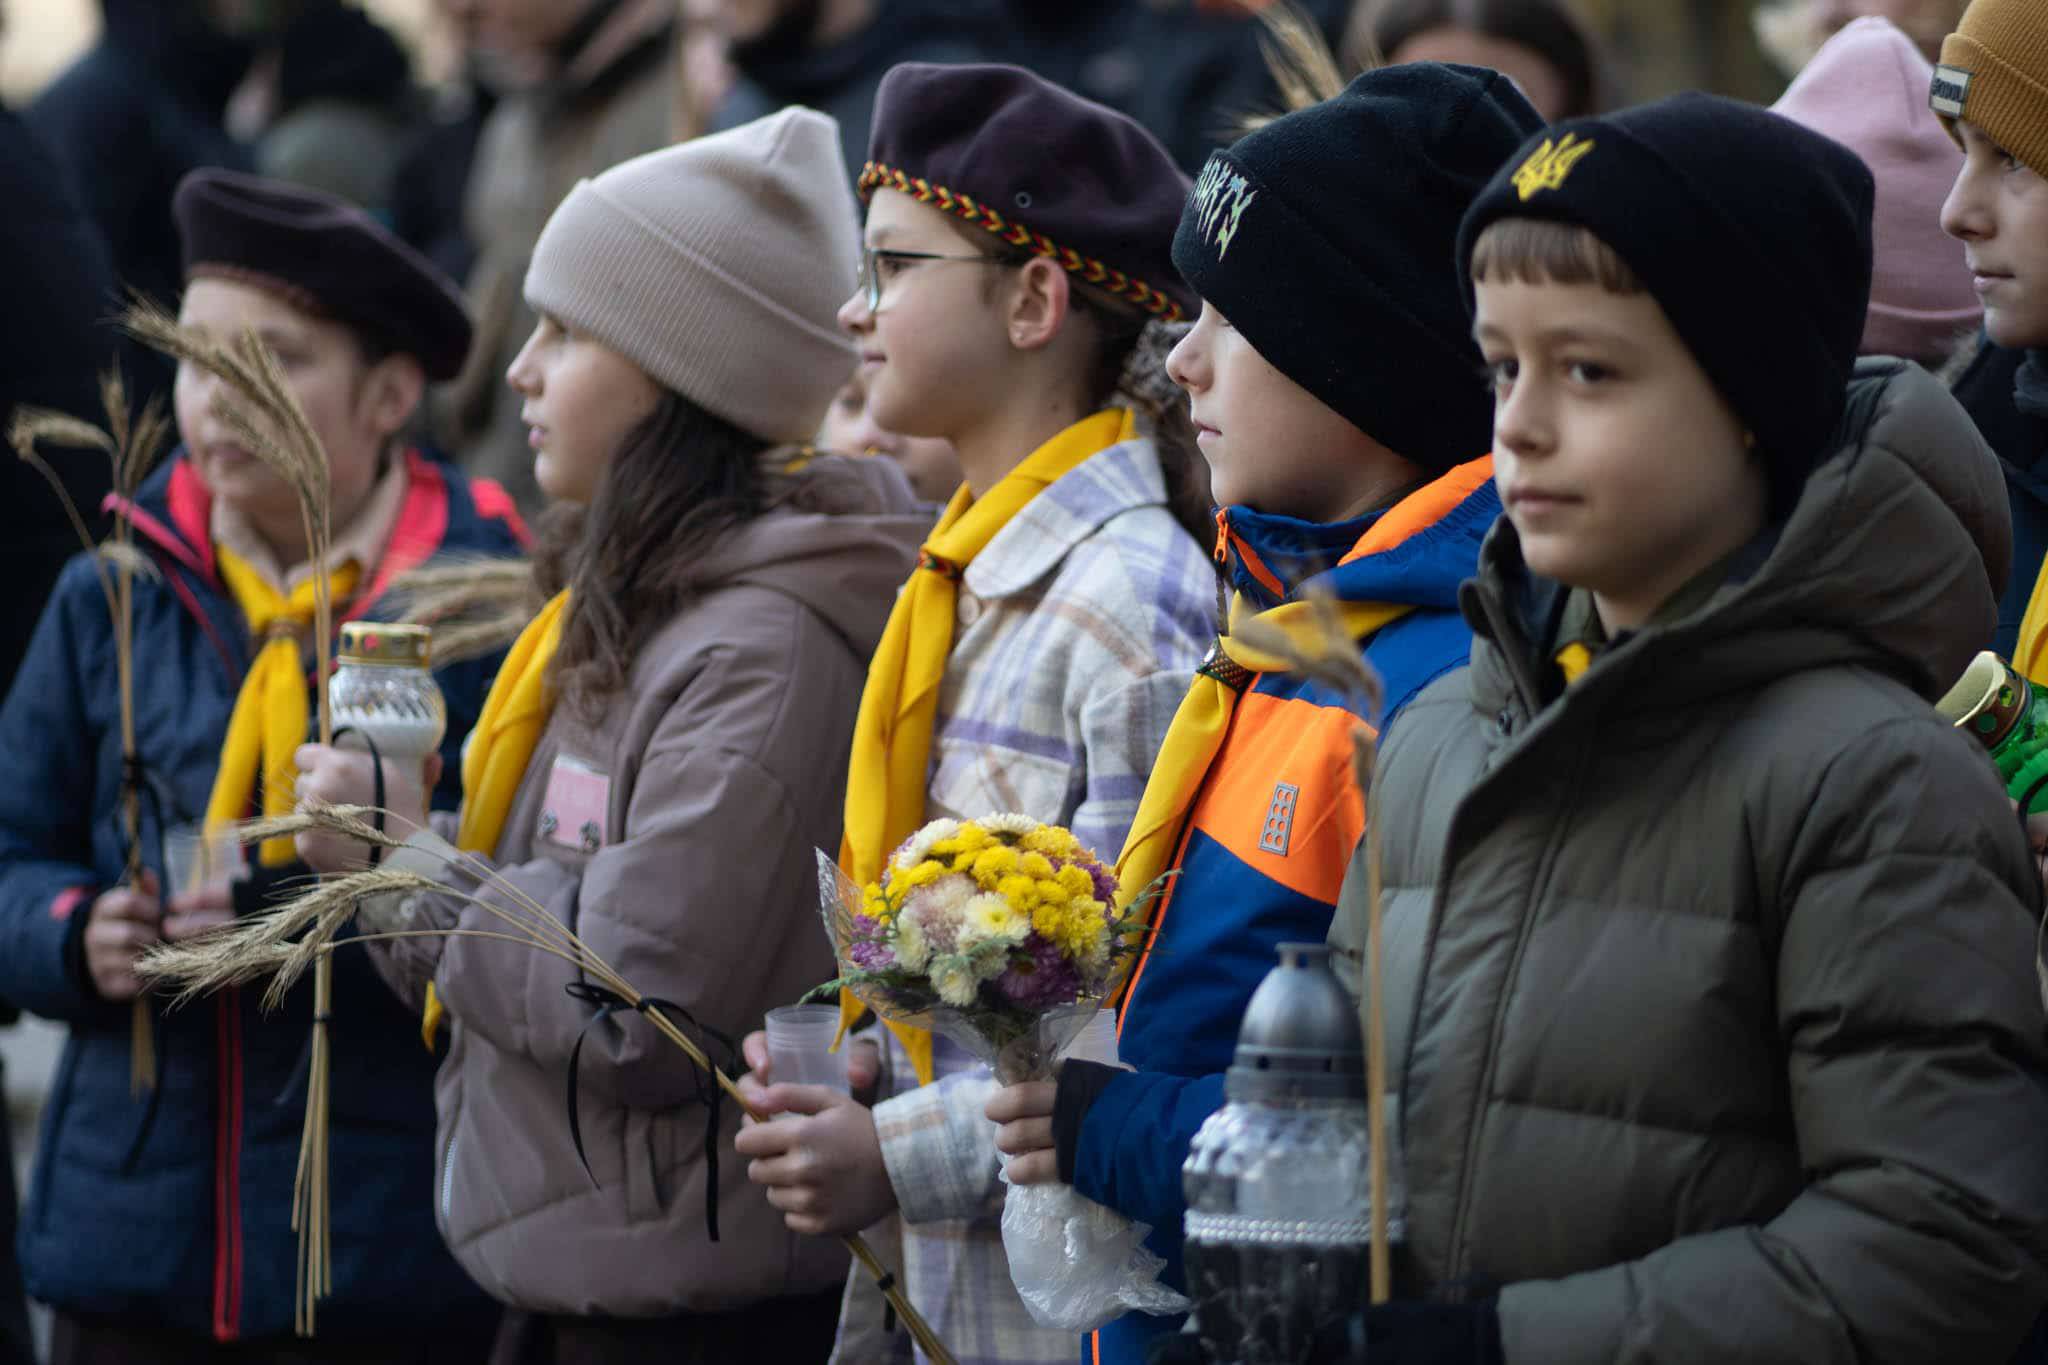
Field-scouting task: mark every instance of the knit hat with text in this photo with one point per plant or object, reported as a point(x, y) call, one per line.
point(718, 267)
point(1994, 73)
point(1322, 235)
point(1751, 232)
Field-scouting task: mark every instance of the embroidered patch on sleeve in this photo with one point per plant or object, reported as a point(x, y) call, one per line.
point(1549, 164)
point(1950, 91)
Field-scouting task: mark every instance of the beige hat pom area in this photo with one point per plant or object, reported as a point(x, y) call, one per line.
point(718, 267)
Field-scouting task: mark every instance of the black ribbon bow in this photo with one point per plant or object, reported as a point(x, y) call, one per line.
point(609, 1002)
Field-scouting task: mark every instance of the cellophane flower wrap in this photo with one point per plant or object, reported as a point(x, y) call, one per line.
point(1003, 934)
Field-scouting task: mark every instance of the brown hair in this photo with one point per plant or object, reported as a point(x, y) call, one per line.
point(1537, 251)
point(681, 480)
point(1128, 367)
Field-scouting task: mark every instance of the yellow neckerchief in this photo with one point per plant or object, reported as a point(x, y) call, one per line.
point(1573, 660)
point(892, 738)
point(2030, 651)
point(1200, 725)
point(499, 748)
point(268, 723)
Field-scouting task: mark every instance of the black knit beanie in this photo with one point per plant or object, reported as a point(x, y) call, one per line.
point(1321, 237)
point(1750, 231)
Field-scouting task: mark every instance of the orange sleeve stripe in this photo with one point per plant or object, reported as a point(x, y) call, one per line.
point(1422, 509)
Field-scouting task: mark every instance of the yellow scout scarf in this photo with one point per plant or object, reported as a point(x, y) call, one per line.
point(2030, 652)
point(1203, 721)
point(892, 737)
point(268, 723)
point(495, 758)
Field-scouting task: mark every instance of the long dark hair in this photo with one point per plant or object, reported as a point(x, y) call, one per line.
point(1130, 367)
point(681, 480)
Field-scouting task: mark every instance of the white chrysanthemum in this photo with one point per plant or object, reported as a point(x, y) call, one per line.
point(955, 982)
point(1008, 823)
point(940, 905)
point(909, 944)
point(919, 845)
point(989, 918)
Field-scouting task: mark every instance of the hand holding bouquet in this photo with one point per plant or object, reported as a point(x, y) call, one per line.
point(1004, 935)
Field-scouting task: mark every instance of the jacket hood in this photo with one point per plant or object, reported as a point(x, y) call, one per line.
point(1892, 559)
point(842, 547)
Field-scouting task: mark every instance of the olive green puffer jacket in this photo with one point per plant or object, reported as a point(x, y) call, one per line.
point(1710, 982)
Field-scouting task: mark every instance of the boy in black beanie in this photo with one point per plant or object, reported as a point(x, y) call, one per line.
point(1330, 378)
point(1708, 996)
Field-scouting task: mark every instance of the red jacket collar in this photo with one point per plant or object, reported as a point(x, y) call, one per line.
point(187, 537)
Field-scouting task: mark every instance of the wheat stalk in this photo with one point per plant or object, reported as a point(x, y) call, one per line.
point(476, 605)
point(279, 944)
point(256, 403)
point(131, 447)
point(1332, 660)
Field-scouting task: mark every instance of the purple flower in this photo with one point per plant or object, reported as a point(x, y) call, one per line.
point(868, 950)
point(1038, 977)
point(1105, 883)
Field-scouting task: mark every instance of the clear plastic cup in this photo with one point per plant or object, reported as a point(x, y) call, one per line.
point(800, 1047)
point(197, 861)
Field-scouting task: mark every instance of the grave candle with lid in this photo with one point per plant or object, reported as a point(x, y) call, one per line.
point(383, 688)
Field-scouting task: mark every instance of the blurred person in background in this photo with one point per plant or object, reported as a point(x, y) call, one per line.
point(1540, 45)
point(582, 85)
point(1867, 89)
point(929, 462)
point(329, 102)
point(125, 122)
point(831, 54)
point(1190, 71)
point(1792, 31)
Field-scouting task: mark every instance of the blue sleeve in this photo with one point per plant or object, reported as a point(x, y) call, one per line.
point(50, 799)
point(1135, 1139)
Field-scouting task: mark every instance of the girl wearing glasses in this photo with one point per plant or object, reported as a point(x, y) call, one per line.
point(1016, 279)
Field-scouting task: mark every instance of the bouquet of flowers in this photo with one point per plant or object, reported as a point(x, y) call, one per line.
point(1004, 935)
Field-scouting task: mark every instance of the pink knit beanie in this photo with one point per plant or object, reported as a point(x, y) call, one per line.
point(718, 267)
point(1867, 89)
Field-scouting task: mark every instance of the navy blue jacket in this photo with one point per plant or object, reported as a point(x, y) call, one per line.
point(173, 1209)
point(1985, 389)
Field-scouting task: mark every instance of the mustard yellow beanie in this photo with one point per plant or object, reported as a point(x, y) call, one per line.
point(1994, 73)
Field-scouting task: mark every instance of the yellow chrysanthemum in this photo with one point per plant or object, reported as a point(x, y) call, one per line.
point(991, 865)
point(1052, 841)
point(924, 874)
point(1036, 865)
point(1019, 891)
point(1052, 892)
point(1077, 881)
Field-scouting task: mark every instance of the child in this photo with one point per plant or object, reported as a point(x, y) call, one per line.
point(1709, 987)
point(1360, 479)
point(1867, 89)
point(851, 429)
point(160, 1223)
point(1991, 90)
point(1018, 245)
point(657, 759)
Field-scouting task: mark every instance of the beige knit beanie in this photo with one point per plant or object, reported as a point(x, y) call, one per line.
point(1994, 72)
point(718, 267)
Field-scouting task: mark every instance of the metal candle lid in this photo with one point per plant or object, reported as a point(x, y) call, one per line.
point(1988, 700)
point(1300, 1038)
point(374, 642)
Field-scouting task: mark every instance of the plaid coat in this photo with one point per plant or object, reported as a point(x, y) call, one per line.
point(1079, 627)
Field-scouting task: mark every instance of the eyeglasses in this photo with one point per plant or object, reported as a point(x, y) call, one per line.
point(872, 258)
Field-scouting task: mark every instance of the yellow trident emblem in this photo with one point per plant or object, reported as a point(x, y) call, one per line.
point(1549, 164)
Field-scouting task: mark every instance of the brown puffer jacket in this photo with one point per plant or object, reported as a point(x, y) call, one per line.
point(675, 836)
point(1711, 980)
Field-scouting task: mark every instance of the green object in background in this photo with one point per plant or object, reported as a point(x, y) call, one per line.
point(2008, 716)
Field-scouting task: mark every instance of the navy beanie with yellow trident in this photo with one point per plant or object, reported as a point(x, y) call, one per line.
point(1750, 231)
point(1323, 238)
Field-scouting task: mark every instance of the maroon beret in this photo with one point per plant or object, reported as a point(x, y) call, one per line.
point(1038, 167)
point(326, 256)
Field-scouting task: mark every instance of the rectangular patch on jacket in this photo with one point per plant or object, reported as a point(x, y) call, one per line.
point(574, 806)
point(1280, 819)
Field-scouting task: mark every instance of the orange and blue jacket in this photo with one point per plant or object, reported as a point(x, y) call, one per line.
point(1267, 841)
